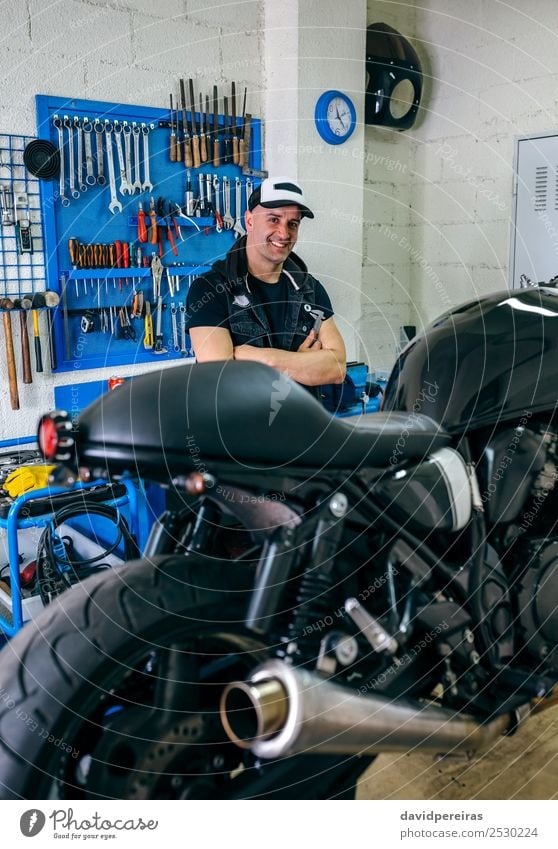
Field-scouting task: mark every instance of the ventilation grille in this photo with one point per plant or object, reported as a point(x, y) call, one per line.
point(540, 194)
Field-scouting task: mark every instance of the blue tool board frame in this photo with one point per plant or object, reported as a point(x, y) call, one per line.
point(87, 218)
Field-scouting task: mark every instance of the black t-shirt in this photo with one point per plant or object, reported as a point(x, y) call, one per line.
point(208, 307)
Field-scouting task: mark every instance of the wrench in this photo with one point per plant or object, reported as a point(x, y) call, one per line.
point(158, 347)
point(78, 127)
point(238, 228)
point(175, 345)
point(218, 216)
point(88, 129)
point(228, 220)
point(183, 348)
point(147, 184)
point(249, 189)
point(125, 188)
point(59, 127)
point(99, 130)
point(114, 204)
point(68, 124)
point(127, 130)
point(136, 185)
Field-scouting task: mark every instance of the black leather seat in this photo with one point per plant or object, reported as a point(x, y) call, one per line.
point(248, 413)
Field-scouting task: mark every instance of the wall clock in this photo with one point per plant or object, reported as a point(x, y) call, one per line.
point(335, 117)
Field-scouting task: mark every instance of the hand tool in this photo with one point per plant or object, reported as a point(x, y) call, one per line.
point(63, 287)
point(208, 128)
point(249, 185)
point(156, 273)
point(203, 141)
point(174, 222)
point(183, 348)
point(52, 299)
point(201, 208)
point(99, 130)
point(71, 171)
point(22, 223)
point(137, 184)
point(246, 143)
point(6, 205)
point(142, 229)
point(228, 220)
point(73, 249)
point(87, 128)
point(147, 184)
point(172, 139)
point(153, 220)
point(195, 137)
point(79, 132)
point(227, 158)
point(114, 205)
point(179, 149)
point(57, 122)
point(216, 154)
point(25, 353)
point(125, 187)
point(175, 345)
point(187, 141)
point(233, 124)
point(6, 305)
point(127, 132)
point(238, 227)
point(126, 259)
point(216, 204)
point(318, 316)
point(243, 145)
point(158, 346)
point(148, 327)
point(137, 305)
point(170, 282)
point(118, 252)
point(189, 196)
point(37, 303)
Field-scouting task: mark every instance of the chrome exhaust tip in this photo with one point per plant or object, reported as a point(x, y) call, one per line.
point(253, 711)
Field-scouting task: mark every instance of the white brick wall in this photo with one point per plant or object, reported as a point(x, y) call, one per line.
point(130, 51)
point(489, 76)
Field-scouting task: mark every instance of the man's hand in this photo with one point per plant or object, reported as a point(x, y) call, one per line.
point(310, 343)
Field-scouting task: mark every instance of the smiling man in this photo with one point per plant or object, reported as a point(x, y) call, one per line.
point(260, 303)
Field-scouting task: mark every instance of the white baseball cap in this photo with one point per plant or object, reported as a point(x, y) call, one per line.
point(279, 191)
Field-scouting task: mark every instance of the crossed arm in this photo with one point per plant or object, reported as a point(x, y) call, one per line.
point(317, 361)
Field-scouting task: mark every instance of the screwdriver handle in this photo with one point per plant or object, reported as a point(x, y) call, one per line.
point(142, 229)
point(73, 248)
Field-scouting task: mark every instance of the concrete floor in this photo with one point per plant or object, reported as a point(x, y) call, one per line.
point(524, 766)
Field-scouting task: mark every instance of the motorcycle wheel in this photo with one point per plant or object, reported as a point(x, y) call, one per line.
point(113, 692)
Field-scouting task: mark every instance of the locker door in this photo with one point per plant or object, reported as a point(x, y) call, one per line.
point(535, 235)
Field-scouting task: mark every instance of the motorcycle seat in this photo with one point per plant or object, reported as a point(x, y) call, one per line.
point(247, 413)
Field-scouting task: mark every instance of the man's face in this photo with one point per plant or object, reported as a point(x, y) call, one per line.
point(273, 232)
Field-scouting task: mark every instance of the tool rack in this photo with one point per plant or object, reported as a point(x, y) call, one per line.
point(14, 610)
point(87, 218)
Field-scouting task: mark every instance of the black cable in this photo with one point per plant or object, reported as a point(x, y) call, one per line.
point(51, 579)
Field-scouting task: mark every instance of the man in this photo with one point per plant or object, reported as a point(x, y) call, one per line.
point(260, 302)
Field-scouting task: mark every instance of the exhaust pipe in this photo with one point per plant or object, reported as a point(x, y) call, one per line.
point(282, 711)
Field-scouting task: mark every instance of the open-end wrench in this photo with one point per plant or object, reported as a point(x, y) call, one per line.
point(238, 228)
point(136, 185)
point(228, 220)
point(175, 345)
point(249, 189)
point(68, 124)
point(127, 130)
point(99, 130)
point(79, 129)
point(87, 130)
point(125, 188)
point(183, 348)
point(147, 184)
point(216, 205)
point(158, 346)
point(114, 205)
point(57, 121)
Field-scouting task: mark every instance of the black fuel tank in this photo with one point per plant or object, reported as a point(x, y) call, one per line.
point(483, 362)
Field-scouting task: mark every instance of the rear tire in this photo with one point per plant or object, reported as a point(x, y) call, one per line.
point(113, 691)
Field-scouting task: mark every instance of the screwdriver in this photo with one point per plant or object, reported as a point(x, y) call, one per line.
point(142, 229)
point(73, 249)
point(126, 258)
point(118, 252)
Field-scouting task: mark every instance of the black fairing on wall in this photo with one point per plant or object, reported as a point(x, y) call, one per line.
point(482, 363)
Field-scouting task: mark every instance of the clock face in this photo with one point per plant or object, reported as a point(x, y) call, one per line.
point(339, 117)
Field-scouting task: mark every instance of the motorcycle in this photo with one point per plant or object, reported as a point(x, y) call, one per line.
point(318, 590)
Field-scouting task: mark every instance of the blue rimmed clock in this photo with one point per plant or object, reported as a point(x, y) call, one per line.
point(335, 117)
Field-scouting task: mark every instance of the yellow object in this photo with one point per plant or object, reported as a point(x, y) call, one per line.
point(27, 478)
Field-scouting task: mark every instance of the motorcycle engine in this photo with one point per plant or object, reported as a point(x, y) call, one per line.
point(538, 604)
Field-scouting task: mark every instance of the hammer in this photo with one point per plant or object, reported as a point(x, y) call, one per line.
point(37, 303)
point(6, 305)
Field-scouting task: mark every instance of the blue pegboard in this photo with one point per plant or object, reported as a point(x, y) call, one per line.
point(87, 218)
